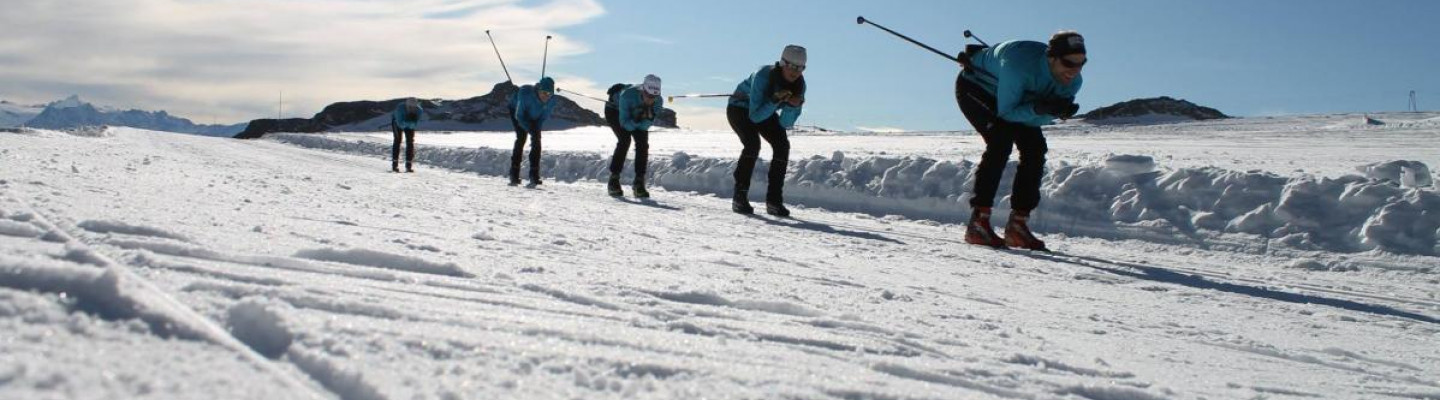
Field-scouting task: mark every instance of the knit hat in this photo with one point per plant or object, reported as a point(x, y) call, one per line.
point(795, 55)
point(651, 85)
point(546, 85)
point(1065, 43)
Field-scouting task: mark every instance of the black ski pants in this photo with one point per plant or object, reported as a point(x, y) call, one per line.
point(518, 153)
point(1000, 136)
point(750, 134)
point(409, 145)
point(622, 147)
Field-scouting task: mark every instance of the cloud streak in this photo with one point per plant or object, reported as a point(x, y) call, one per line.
point(228, 59)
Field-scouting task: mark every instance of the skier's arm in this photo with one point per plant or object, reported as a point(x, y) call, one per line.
point(627, 110)
point(1009, 104)
point(761, 106)
point(788, 115)
point(654, 113)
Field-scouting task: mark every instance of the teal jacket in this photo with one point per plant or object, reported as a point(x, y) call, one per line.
point(630, 106)
point(1017, 73)
point(757, 93)
point(398, 117)
point(527, 110)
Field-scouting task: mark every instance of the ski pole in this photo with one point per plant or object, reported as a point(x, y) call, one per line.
point(977, 38)
point(861, 21)
point(497, 55)
point(544, 59)
point(671, 99)
point(583, 95)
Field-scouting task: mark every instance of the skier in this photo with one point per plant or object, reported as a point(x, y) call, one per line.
point(405, 118)
point(752, 115)
point(1008, 92)
point(630, 112)
point(530, 106)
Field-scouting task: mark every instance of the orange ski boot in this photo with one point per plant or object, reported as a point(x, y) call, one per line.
point(1017, 232)
point(978, 231)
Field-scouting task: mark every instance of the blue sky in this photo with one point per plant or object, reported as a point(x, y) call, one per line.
point(1247, 58)
point(227, 61)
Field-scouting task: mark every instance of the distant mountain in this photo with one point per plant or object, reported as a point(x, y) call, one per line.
point(73, 113)
point(1156, 109)
point(14, 115)
point(489, 112)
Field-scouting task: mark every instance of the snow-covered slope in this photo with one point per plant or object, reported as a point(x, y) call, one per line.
point(142, 264)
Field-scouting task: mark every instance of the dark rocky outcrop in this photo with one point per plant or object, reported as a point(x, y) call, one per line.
point(1157, 106)
point(487, 112)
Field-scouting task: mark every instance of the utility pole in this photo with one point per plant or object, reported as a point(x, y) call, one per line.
point(1413, 107)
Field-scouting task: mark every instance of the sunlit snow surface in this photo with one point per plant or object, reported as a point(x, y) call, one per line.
point(147, 264)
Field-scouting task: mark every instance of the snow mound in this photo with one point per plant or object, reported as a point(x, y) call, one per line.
point(260, 324)
point(1128, 197)
point(378, 259)
point(1405, 173)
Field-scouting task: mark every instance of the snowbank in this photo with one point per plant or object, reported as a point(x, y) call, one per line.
point(1394, 208)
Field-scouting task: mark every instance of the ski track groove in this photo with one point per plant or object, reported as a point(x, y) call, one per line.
point(217, 333)
point(1082, 259)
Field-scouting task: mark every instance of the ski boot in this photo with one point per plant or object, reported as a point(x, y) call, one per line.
point(1017, 232)
point(978, 231)
point(640, 192)
point(514, 178)
point(741, 203)
point(777, 209)
point(614, 187)
point(394, 167)
point(408, 168)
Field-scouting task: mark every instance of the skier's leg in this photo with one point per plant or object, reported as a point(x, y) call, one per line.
point(977, 105)
point(395, 148)
point(409, 149)
point(535, 157)
point(750, 146)
point(1030, 141)
point(642, 153)
point(739, 119)
point(774, 134)
point(642, 160)
point(622, 144)
point(517, 153)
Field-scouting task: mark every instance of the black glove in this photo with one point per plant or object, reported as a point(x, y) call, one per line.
point(643, 114)
point(782, 95)
point(1062, 108)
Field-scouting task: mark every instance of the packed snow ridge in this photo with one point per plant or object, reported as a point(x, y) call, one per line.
point(1390, 206)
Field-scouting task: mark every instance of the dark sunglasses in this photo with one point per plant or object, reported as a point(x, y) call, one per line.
point(1071, 64)
point(797, 68)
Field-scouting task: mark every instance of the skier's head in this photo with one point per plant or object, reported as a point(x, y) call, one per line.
point(792, 62)
point(412, 103)
point(1067, 56)
point(651, 87)
point(545, 88)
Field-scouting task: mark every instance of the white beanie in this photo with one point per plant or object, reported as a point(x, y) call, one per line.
point(795, 55)
point(651, 85)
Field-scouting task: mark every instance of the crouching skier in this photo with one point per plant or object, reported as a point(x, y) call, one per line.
point(404, 120)
point(530, 106)
point(752, 115)
point(1008, 92)
point(630, 112)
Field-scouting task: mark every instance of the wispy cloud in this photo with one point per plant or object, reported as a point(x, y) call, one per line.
point(228, 59)
point(647, 39)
